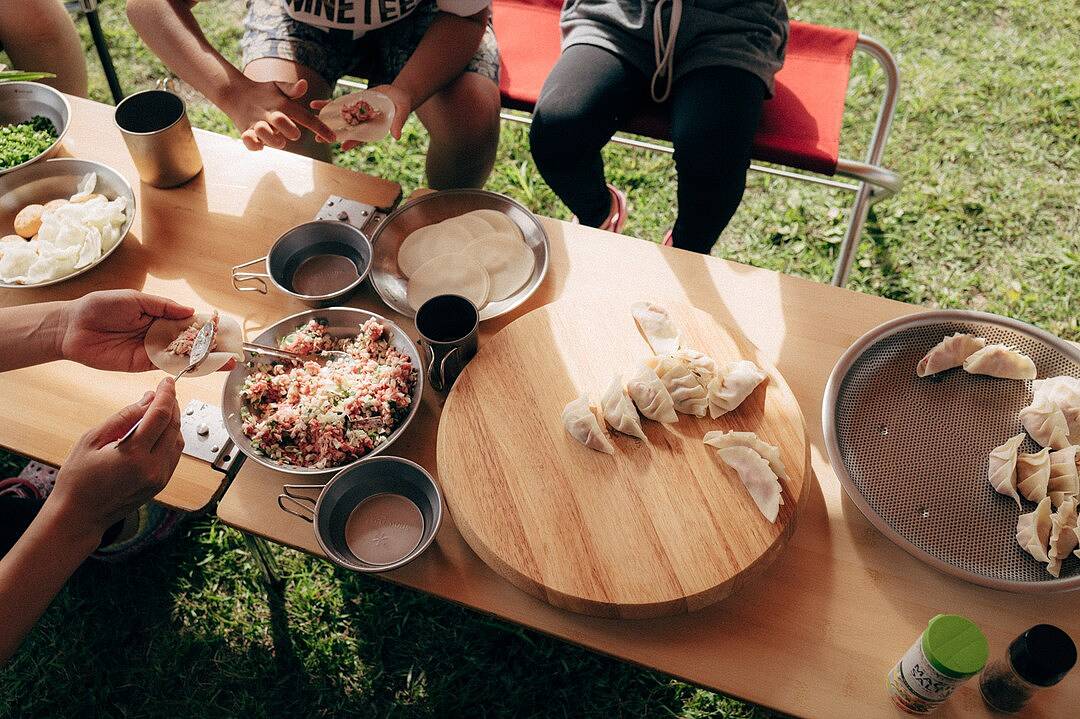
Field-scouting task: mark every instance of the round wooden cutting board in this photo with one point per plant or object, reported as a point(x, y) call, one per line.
point(661, 527)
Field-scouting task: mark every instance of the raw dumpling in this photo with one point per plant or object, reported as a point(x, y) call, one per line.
point(651, 396)
point(1064, 482)
point(619, 411)
point(733, 384)
point(580, 422)
point(1000, 361)
point(1001, 470)
point(948, 353)
point(759, 480)
point(168, 343)
point(699, 363)
point(1033, 531)
point(1064, 392)
point(1046, 424)
point(771, 454)
point(1062, 535)
point(686, 390)
point(1033, 474)
point(655, 324)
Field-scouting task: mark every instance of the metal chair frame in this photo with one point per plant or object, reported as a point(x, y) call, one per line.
point(874, 181)
point(88, 8)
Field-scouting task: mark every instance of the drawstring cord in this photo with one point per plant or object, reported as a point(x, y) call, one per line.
point(664, 48)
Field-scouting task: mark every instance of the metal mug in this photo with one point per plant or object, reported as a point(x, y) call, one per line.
point(155, 126)
point(449, 333)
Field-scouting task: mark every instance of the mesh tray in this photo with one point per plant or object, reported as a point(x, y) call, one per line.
point(912, 451)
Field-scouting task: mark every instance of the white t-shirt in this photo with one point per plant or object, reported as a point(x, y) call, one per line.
point(363, 15)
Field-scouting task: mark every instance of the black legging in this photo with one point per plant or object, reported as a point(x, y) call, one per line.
point(714, 115)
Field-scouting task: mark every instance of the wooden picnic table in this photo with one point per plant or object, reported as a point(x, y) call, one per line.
point(181, 245)
point(813, 636)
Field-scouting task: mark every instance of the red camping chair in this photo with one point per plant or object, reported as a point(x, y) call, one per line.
point(800, 126)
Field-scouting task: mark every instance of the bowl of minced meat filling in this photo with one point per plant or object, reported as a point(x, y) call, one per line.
point(324, 414)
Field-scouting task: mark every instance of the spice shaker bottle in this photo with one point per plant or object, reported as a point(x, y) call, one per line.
point(1040, 657)
point(951, 651)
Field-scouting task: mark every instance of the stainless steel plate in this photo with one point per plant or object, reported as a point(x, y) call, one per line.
point(20, 101)
point(912, 451)
point(436, 207)
point(59, 178)
point(341, 322)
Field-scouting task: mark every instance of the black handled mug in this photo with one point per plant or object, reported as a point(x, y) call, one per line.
point(449, 333)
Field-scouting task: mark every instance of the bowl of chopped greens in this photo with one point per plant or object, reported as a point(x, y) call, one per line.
point(33, 120)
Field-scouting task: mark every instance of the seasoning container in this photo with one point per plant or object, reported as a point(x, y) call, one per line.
point(1040, 657)
point(951, 651)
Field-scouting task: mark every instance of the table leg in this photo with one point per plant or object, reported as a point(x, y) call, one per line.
point(260, 551)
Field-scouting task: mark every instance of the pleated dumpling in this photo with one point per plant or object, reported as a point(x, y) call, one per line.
point(687, 392)
point(1033, 474)
point(734, 383)
point(768, 452)
point(1001, 470)
point(1062, 535)
point(619, 410)
point(656, 326)
point(1046, 424)
point(1064, 393)
point(1064, 478)
point(700, 364)
point(651, 396)
point(948, 353)
point(1033, 531)
point(758, 478)
point(581, 424)
point(1000, 361)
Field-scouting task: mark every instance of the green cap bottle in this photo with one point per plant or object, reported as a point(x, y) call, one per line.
point(955, 646)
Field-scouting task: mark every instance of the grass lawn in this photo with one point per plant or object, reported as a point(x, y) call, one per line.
point(986, 136)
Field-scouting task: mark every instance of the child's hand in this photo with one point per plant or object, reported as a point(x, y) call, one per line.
point(402, 106)
point(270, 114)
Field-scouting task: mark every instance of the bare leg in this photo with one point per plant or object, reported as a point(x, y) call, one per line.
point(275, 69)
point(463, 122)
point(40, 35)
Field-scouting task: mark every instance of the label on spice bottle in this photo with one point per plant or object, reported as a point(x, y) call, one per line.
point(922, 685)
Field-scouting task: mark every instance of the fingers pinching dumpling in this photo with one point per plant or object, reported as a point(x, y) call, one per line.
point(651, 396)
point(950, 352)
point(1000, 361)
point(619, 411)
point(1001, 470)
point(581, 423)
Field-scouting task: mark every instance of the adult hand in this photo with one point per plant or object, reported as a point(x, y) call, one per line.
point(402, 109)
point(100, 482)
point(105, 330)
point(270, 114)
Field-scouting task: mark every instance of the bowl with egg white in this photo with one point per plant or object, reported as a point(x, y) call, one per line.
point(59, 219)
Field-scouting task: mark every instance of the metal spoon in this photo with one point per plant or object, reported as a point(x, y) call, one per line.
point(325, 355)
point(200, 348)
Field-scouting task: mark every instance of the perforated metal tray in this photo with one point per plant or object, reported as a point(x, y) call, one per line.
point(912, 451)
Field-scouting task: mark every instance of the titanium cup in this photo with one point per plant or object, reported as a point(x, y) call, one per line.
point(448, 327)
point(155, 126)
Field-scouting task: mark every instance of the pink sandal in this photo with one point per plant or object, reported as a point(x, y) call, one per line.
point(616, 218)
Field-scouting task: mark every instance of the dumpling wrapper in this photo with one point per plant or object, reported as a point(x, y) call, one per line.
point(499, 222)
point(452, 274)
point(948, 353)
point(509, 263)
point(371, 131)
point(428, 242)
point(469, 223)
point(1000, 361)
point(1033, 531)
point(1001, 468)
point(768, 452)
point(230, 344)
point(760, 481)
point(581, 423)
point(656, 326)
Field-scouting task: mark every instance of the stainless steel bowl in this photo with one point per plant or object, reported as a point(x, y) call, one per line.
point(319, 237)
point(348, 488)
point(59, 178)
point(20, 101)
point(392, 286)
point(341, 322)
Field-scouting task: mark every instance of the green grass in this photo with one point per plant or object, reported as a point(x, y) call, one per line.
point(986, 136)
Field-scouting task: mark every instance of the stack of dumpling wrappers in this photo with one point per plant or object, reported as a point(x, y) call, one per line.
point(675, 380)
point(1049, 477)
